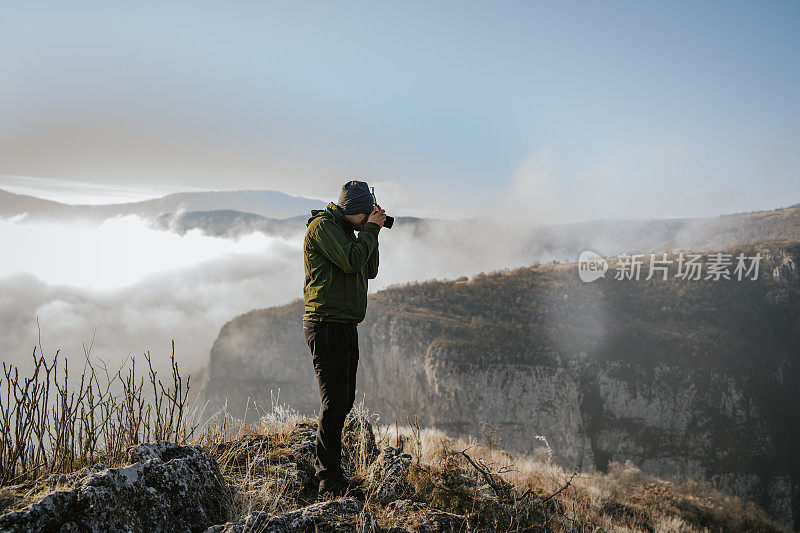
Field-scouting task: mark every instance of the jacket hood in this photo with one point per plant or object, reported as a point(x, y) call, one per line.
point(337, 215)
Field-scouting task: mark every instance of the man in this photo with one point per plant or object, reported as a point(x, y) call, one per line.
point(337, 267)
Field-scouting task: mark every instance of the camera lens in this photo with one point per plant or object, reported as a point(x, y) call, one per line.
point(388, 222)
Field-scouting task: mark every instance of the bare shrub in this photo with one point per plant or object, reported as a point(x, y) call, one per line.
point(51, 423)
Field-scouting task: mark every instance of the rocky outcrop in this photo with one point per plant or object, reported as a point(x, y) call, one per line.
point(389, 473)
point(337, 516)
point(683, 378)
point(168, 487)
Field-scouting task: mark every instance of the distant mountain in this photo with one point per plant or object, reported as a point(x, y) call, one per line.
point(266, 203)
point(611, 237)
point(14, 204)
point(229, 223)
point(562, 241)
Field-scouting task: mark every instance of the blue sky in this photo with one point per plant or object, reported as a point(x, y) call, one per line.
point(568, 110)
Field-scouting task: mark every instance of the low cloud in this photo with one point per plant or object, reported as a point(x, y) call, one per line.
point(133, 288)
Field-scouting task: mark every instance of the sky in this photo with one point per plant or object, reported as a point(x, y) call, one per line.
point(564, 111)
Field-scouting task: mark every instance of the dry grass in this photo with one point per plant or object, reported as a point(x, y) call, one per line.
point(264, 459)
point(622, 499)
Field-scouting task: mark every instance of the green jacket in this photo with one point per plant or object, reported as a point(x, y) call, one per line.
point(338, 265)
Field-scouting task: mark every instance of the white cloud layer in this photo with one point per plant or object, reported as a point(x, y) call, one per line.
point(134, 288)
point(120, 251)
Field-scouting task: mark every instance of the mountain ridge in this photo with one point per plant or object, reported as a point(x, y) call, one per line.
point(264, 202)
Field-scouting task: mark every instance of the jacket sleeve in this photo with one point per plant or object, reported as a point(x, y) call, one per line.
point(350, 256)
point(372, 264)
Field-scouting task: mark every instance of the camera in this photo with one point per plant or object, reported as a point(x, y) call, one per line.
point(389, 220)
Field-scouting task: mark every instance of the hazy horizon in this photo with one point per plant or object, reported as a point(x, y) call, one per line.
point(92, 195)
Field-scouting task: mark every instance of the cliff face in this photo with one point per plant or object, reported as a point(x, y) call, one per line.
point(684, 378)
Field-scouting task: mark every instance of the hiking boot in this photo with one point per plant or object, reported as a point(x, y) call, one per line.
point(340, 487)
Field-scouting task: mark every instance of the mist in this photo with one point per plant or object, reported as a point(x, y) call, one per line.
point(124, 286)
point(132, 288)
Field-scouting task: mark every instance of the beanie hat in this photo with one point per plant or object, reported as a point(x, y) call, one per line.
point(355, 198)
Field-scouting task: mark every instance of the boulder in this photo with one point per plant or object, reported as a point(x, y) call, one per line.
point(168, 487)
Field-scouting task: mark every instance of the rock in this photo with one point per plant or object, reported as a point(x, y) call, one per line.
point(359, 439)
point(307, 438)
point(59, 479)
point(390, 471)
point(403, 507)
point(419, 517)
point(441, 522)
point(298, 479)
point(346, 515)
point(168, 487)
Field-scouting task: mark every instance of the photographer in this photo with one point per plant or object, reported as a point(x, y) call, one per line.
point(337, 267)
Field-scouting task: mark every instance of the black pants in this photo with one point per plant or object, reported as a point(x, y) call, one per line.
point(334, 352)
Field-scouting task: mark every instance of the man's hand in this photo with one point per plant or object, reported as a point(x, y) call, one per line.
point(377, 216)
